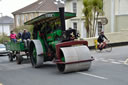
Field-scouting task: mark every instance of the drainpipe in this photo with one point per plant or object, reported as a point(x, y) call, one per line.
point(119, 7)
point(112, 15)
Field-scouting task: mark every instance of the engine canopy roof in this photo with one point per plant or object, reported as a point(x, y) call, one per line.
point(49, 17)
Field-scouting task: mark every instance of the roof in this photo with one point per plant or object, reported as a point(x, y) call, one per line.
point(6, 20)
point(39, 6)
point(48, 17)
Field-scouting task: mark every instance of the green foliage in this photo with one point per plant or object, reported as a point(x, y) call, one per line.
point(87, 10)
point(4, 38)
point(21, 28)
point(97, 6)
point(92, 9)
point(29, 28)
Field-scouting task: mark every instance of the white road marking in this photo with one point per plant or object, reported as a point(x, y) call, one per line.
point(101, 58)
point(116, 62)
point(121, 61)
point(105, 60)
point(112, 61)
point(96, 59)
point(100, 77)
point(126, 61)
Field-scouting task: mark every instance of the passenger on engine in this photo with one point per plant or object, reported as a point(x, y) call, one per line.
point(13, 36)
point(19, 35)
point(26, 35)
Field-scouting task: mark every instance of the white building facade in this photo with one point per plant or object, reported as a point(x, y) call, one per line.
point(6, 24)
point(116, 11)
point(4, 29)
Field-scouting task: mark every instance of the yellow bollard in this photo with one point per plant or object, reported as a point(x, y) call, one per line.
point(95, 41)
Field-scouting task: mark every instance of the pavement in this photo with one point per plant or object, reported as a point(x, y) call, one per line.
point(108, 68)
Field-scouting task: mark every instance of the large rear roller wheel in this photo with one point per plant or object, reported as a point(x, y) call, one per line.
point(36, 60)
point(75, 54)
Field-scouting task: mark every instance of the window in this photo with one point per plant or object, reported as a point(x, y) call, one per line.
point(75, 25)
point(74, 7)
point(26, 17)
point(82, 11)
point(83, 30)
point(32, 15)
point(22, 19)
point(18, 20)
point(99, 27)
point(123, 7)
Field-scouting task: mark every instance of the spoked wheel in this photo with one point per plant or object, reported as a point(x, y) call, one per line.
point(27, 54)
point(35, 59)
point(108, 48)
point(98, 49)
point(19, 59)
point(10, 57)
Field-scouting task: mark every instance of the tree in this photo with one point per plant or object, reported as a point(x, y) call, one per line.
point(87, 10)
point(97, 6)
point(27, 27)
point(92, 9)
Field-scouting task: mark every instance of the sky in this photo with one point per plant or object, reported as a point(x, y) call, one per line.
point(9, 6)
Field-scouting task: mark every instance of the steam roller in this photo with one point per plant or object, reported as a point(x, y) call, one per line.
point(52, 42)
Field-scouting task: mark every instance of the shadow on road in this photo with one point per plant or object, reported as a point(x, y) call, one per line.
point(3, 55)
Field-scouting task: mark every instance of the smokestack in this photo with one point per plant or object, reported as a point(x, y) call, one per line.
point(62, 18)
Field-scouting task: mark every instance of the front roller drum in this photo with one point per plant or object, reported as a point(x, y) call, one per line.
point(75, 58)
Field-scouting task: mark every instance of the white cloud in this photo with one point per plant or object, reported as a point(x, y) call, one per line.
point(9, 6)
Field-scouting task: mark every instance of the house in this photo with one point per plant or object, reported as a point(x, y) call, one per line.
point(33, 10)
point(6, 24)
point(116, 11)
point(76, 6)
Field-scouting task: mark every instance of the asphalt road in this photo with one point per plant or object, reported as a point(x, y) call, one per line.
point(107, 69)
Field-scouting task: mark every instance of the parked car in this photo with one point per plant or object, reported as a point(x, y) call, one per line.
point(3, 49)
